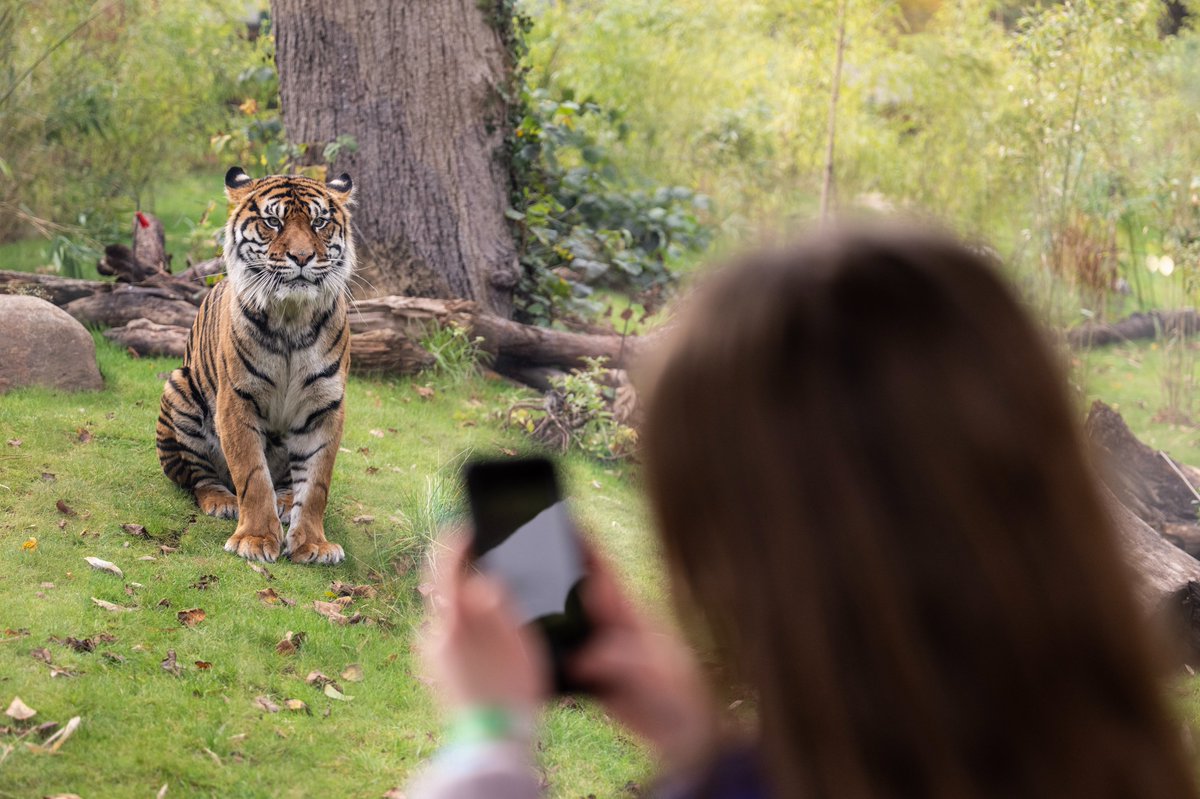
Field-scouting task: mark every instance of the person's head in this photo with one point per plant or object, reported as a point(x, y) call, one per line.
point(870, 483)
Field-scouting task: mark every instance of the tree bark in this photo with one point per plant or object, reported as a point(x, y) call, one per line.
point(127, 303)
point(421, 87)
point(150, 338)
point(52, 288)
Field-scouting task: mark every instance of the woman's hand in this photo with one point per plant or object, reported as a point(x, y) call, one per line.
point(476, 652)
point(644, 675)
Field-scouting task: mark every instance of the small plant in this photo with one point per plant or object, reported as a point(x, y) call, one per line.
point(579, 412)
point(456, 353)
point(579, 224)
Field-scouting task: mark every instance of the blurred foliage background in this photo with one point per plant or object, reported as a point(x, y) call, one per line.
point(1061, 134)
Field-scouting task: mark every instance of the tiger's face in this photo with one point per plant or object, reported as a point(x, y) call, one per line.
point(288, 239)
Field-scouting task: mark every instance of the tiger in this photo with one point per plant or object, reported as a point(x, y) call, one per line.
point(251, 422)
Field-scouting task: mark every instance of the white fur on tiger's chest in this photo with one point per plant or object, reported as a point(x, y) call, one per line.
point(289, 401)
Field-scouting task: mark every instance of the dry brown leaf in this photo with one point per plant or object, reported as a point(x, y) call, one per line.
point(105, 566)
point(49, 477)
point(268, 596)
point(334, 693)
point(169, 665)
point(84, 435)
point(330, 611)
point(205, 582)
point(424, 392)
point(190, 617)
point(318, 680)
point(135, 530)
point(353, 673)
point(343, 601)
point(339, 588)
point(296, 705)
point(203, 665)
point(19, 711)
point(147, 557)
point(166, 550)
point(364, 519)
point(265, 703)
point(42, 654)
point(263, 570)
point(376, 433)
point(109, 606)
point(65, 509)
point(290, 644)
point(15, 442)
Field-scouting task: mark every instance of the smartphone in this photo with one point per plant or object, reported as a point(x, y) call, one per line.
point(524, 537)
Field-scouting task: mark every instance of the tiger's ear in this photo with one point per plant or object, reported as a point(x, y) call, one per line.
point(342, 185)
point(237, 183)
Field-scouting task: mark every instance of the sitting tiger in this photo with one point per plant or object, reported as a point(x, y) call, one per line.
point(252, 421)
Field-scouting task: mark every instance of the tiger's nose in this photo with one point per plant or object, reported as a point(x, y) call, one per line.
point(301, 257)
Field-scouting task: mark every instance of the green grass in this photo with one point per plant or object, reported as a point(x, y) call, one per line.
point(200, 732)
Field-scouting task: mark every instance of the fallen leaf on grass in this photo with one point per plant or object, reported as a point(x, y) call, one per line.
point(135, 530)
point(15, 442)
point(205, 582)
point(47, 586)
point(19, 710)
point(162, 792)
point(296, 705)
point(56, 671)
point(265, 703)
point(353, 673)
point(290, 644)
point(147, 557)
point(190, 617)
point(84, 435)
point(109, 606)
point(346, 589)
point(334, 693)
point(169, 665)
point(166, 550)
point(263, 570)
point(364, 519)
point(42, 654)
point(376, 433)
point(56, 740)
point(203, 665)
point(105, 566)
point(269, 597)
point(78, 644)
point(49, 477)
point(65, 509)
point(112, 657)
point(30, 544)
point(424, 392)
point(343, 601)
point(318, 680)
point(331, 611)
point(164, 603)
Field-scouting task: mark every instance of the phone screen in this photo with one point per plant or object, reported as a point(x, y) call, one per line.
point(525, 538)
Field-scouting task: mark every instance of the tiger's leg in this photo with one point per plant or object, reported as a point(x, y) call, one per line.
point(185, 446)
point(283, 504)
point(259, 535)
point(312, 455)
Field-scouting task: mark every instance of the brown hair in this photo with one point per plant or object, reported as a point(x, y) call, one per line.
point(870, 482)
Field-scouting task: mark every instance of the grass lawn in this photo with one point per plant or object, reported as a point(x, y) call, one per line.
point(202, 732)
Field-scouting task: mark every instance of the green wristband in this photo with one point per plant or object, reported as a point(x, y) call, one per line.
point(481, 725)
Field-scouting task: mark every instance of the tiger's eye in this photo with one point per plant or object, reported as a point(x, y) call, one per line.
point(320, 222)
point(272, 222)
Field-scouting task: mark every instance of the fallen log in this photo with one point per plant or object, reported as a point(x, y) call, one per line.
point(1134, 327)
point(150, 338)
point(124, 304)
point(1145, 480)
point(55, 289)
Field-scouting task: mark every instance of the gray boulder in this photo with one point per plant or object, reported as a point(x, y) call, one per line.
point(41, 345)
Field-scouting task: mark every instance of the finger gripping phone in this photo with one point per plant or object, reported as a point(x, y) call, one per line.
point(524, 537)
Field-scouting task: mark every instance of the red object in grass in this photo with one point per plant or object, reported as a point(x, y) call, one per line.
point(142, 220)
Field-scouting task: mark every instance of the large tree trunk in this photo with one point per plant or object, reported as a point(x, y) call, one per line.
point(420, 86)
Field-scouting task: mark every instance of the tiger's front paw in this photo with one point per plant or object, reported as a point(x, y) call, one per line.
point(254, 547)
point(317, 552)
